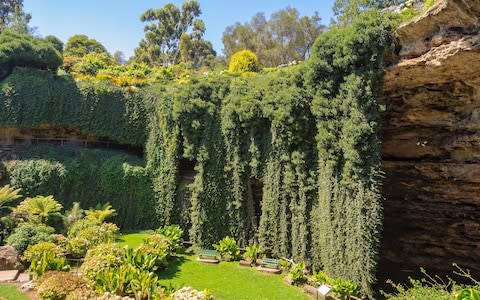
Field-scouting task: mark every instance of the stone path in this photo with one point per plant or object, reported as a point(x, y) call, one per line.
point(8, 276)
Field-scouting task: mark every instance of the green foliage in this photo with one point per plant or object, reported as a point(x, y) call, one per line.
point(298, 273)
point(251, 253)
point(434, 287)
point(286, 37)
point(90, 177)
point(37, 250)
point(39, 209)
point(80, 45)
point(9, 10)
point(101, 212)
point(100, 258)
point(173, 33)
point(48, 261)
point(173, 234)
point(30, 98)
point(27, 234)
point(243, 61)
point(58, 285)
point(469, 294)
point(73, 215)
point(91, 232)
point(346, 66)
point(8, 194)
point(26, 51)
point(227, 248)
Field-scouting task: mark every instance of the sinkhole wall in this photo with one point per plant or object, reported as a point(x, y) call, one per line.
point(431, 143)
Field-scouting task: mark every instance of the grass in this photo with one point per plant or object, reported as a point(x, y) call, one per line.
point(133, 240)
point(10, 292)
point(226, 280)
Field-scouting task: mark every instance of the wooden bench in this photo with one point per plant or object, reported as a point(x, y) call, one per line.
point(270, 265)
point(208, 256)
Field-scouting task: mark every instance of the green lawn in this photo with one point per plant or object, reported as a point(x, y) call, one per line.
point(226, 281)
point(133, 240)
point(10, 292)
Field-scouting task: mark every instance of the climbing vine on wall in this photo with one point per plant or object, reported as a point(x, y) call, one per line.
point(306, 136)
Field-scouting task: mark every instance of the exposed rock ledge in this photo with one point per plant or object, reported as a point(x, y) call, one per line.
point(431, 142)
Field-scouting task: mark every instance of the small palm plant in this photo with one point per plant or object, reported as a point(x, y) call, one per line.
point(251, 253)
point(7, 194)
point(40, 209)
point(101, 212)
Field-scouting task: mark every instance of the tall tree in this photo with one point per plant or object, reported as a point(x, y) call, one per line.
point(169, 27)
point(11, 10)
point(80, 45)
point(346, 10)
point(284, 38)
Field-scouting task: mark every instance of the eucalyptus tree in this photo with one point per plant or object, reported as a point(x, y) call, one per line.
point(168, 30)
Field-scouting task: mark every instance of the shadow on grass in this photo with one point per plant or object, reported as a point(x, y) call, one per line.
point(173, 268)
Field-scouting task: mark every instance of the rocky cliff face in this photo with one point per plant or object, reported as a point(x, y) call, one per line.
point(431, 142)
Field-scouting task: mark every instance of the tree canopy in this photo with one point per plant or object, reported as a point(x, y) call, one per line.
point(284, 38)
point(12, 11)
point(173, 34)
point(24, 50)
point(80, 45)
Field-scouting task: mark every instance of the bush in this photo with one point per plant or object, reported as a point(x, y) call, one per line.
point(157, 246)
point(92, 231)
point(38, 250)
point(251, 253)
point(39, 209)
point(298, 273)
point(174, 234)
point(228, 249)
point(39, 176)
point(58, 285)
point(100, 258)
point(243, 61)
point(48, 261)
point(25, 50)
point(27, 234)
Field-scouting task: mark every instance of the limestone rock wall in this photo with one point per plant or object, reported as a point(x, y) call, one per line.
point(431, 142)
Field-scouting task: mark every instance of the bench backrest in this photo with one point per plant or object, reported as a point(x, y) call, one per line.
point(208, 252)
point(270, 261)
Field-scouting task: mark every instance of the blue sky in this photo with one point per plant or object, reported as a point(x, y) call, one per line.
point(116, 23)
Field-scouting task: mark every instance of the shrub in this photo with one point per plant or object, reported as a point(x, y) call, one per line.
point(343, 289)
point(37, 250)
point(298, 273)
point(24, 50)
point(174, 234)
point(39, 209)
point(243, 61)
point(228, 249)
point(127, 280)
point(38, 176)
point(100, 258)
point(27, 234)
point(57, 285)
point(77, 247)
point(48, 261)
point(92, 231)
point(251, 253)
